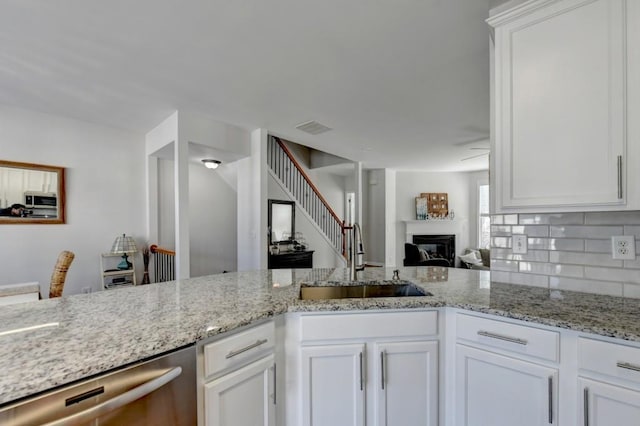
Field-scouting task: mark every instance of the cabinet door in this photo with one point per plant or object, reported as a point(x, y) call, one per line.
point(245, 397)
point(333, 385)
point(560, 105)
point(406, 383)
point(606, 404)
point(495, 390)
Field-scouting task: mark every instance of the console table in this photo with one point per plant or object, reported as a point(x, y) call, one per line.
point(291, 259)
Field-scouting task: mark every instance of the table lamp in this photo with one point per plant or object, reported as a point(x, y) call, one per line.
point(124, 245)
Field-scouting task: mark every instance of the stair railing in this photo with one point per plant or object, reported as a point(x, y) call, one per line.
point(164, 264)
point(291, 174)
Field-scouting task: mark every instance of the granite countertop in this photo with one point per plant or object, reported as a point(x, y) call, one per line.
point(52, 342)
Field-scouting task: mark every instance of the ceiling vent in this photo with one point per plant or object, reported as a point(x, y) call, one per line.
point(313, 127)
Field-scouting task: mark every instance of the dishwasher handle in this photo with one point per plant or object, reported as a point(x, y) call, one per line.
point(120, 400)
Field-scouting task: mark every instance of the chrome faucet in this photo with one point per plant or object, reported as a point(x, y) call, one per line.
point(356, 249)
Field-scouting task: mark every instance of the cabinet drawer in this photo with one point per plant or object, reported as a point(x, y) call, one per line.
point(369, 325)
point(609, 358)
point(238, 349)
point(517, 338)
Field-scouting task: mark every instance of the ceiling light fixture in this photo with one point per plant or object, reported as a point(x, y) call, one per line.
point(210, 163)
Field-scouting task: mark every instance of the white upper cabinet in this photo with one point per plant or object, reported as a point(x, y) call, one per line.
point(561, 140)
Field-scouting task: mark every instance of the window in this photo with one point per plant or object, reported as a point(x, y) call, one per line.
point(484, 219)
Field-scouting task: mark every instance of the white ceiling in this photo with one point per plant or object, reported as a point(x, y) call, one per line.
point(403, 83)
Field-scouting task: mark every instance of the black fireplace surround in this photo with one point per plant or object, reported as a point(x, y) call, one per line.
point(436, 247)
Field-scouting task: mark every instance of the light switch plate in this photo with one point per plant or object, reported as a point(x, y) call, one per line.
point(519, 243)
point(623, 247)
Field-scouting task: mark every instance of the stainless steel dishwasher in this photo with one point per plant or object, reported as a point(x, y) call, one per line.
point(161, 391)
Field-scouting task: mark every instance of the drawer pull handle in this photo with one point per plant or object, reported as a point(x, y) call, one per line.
point(246, 348)
point(501, 337)
point(620, 177)
point(585, 406)
point(550, 394)
point(382, 378)
point(628, 366)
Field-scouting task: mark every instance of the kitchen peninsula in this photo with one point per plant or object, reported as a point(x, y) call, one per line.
point(49, 343)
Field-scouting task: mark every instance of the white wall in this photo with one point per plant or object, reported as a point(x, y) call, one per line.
point(411, 184)
point(105, 196)
point(212, 217)
point(374, 215)
point(212, 221)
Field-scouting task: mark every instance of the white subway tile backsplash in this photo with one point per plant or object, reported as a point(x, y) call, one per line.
point(552, 219)
point(503, 242)
point(575, 258)
point(571, 231)
point(631, 290)
point(532, 255)
point(612, 218)
point(586, 286)
point(531, 230)
point(500, 231)
point(551, 269)
point(567, 251)
point(613, 274)
point(632, 230)
point(504, 265)
point(598, 246)
point(522, 279)
point(511, 219)
point(556, 244)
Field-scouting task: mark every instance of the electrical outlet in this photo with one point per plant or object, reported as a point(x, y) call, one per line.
point(519, 244)
point(623, 247)
point(86, 289)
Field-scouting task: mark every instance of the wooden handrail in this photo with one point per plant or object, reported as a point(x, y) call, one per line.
point(306, 178)
point(155, 249)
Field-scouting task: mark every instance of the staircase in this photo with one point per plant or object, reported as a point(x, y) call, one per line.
point(285, 167)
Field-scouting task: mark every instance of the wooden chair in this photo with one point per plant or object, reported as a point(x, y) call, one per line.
point(60, 273)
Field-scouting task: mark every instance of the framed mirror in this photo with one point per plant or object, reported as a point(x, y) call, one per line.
point(281, 221)
point(31, 193)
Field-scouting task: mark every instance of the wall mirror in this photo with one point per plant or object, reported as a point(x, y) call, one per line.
point(281, 221)
point(31, 193)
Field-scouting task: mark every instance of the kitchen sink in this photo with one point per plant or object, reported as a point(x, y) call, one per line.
point(347, 291)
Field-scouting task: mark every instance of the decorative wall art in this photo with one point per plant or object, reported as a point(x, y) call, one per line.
point(433, 205)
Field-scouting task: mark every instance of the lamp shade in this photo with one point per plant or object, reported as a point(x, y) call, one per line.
point(124, 244)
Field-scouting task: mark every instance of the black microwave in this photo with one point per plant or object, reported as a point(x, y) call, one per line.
point(40, 200)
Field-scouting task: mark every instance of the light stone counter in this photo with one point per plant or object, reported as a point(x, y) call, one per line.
point(83, 335)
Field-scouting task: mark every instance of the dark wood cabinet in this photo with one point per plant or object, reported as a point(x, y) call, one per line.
point(291, 259)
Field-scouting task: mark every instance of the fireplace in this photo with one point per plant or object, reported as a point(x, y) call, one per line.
point(438, 246)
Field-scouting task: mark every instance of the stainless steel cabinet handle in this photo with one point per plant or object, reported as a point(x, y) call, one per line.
point(550, 399)
point(275, 381)
point(502, 337)
point(120, 400)
point(585, 407)
point(628, 366)
point(620, 176)
point(361, 373)
point(382, 378)
point(246, 348)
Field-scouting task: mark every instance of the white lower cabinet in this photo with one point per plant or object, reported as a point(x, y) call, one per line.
point(506, 373)
point(607, 404)
point(333, 385)
point(608, 383)
point(245, 397)
point(238, 379)
point(407, 386)
point(403, 388)
point(369, 369)
point(495, 390)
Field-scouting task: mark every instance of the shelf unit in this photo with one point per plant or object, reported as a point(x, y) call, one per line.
point(109, 271)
